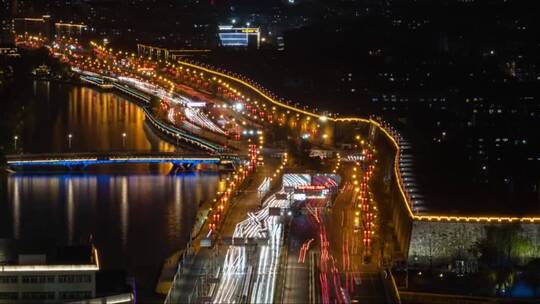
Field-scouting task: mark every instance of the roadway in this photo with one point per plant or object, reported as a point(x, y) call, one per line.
point(342, 275)
point(249, 272)
point(207, 259)
point(324, 260)
point(298, 286)
point(362, 281)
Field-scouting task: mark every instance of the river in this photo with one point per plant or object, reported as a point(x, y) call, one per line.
point(137, 214)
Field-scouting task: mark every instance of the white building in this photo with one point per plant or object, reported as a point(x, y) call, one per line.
point(41, 272)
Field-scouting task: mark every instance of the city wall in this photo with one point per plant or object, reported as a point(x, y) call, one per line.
point(420, 238)
point(441, 243)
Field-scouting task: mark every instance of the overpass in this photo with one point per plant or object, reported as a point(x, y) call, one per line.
point(165, 129)
point(78, 161)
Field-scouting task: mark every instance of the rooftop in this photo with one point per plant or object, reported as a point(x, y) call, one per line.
point(44, 252)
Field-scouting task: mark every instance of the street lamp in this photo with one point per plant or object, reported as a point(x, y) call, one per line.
point(124, 139)
point(70, 136)
point(15, 138)
point(177, 139)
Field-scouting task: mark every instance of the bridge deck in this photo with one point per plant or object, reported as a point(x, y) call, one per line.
point(84, 159)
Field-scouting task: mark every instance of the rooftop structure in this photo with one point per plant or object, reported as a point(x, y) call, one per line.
point(38, 271)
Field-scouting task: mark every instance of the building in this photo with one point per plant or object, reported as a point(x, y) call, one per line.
point(70, 30)
point(162, 53)
point(38, 27)
point(8, 50)
point(41, 272)
point(248, 37)
point(6, 22)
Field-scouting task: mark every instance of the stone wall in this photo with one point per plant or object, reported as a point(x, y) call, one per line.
point(441, 243)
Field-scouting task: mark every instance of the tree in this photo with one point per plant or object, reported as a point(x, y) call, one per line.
point(506, 277)
point(498, 248)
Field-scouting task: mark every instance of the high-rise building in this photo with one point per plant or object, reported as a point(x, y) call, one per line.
point(6, 22)
point(71, 30)
point(40, 27)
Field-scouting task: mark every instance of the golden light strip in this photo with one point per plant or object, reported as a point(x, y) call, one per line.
point(448, 218)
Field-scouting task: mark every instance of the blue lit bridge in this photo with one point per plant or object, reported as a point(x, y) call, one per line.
point(80, 161)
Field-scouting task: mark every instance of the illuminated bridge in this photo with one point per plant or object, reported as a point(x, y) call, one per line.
point(79, 161)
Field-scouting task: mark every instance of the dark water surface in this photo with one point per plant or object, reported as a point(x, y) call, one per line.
point(137, 214)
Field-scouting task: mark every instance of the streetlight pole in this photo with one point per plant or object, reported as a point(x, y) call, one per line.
point(124, 140)
point(70, 136)
point(15, 138)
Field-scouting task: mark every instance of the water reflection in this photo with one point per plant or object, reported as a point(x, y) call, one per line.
point(70, 210)
point(124, 210)
point(16, 207)
point(135, 219)
point(96, 121)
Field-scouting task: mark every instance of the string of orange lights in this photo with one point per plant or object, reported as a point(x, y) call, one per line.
point(200, 70)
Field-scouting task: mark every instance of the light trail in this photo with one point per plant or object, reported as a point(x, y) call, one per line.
point(257, 225)
point(192, 114)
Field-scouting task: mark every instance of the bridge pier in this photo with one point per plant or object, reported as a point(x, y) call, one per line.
point(182, 167)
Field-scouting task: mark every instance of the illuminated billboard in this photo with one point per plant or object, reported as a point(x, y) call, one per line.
point(230, 36)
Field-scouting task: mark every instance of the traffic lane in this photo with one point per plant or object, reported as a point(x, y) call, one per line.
point(339, 223)
point(360, 280)
point(346, 244)
point(301, 231)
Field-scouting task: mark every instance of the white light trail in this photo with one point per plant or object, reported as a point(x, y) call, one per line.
point(258, 225)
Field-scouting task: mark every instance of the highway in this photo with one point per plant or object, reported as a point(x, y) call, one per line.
point(237, 274)
point(212, 260)
point(327, 257)
point(332, 253)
